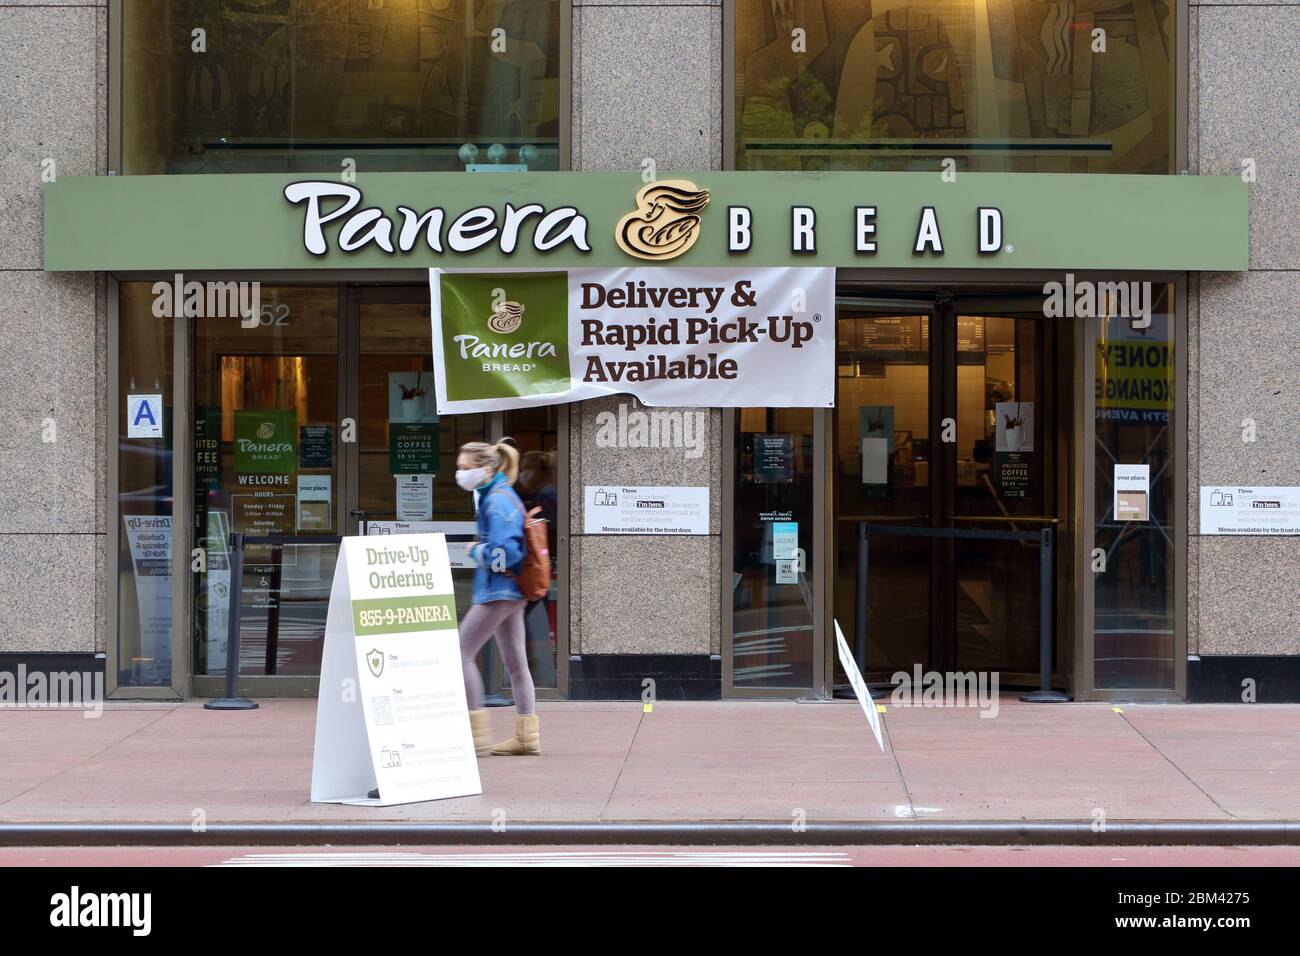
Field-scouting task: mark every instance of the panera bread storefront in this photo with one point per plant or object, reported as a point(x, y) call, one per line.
point(944, 413)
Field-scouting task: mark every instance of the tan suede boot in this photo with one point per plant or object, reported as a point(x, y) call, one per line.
point(525, 740)
point(481, 726)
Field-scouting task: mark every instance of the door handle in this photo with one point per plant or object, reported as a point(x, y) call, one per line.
point(361, 520)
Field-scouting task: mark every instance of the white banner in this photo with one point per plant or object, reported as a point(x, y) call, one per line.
point(685, 337)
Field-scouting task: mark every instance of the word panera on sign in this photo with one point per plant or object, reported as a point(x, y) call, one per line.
point(470, 231)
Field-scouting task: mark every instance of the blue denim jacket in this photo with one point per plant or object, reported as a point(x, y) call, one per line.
point(500, 532)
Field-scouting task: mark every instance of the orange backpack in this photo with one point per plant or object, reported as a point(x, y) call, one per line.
point(534, 577)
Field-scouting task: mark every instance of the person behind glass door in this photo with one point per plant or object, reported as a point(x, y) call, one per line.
point(536, 487)
point(489, 471)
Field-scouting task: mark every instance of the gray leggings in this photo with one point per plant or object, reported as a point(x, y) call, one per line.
point(505, 619)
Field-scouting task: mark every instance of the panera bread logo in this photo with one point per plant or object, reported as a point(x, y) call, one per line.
point(265, 431)
point(506, 318)
point(665, 222)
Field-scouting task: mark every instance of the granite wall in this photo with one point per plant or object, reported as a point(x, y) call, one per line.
point(53, 121)
point(1244, 364)
point(632, 102)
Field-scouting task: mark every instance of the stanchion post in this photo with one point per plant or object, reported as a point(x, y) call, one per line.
point(861, 607)
point(274, 596)
point(860, 601)
point(1045, 694)
point(231, 701)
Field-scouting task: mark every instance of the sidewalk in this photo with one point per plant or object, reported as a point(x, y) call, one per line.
point(685, 762)
point(609, 762)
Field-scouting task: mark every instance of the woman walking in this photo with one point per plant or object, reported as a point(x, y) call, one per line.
point(489, 471)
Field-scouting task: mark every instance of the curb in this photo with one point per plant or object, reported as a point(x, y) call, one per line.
point(1188, 833)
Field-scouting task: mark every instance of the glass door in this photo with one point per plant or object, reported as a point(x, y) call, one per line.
point(771, 566)
point(403, 464)
point(1004, 480)
point(946, 443)
point(404, 459)
point(883, 475)
point(267, 406)
point(320, 421)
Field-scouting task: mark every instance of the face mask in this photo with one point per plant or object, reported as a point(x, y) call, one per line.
point(471, 479)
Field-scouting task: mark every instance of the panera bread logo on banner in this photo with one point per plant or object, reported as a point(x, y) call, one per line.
point(665, 223)
point(502, 355)
point(507, 318)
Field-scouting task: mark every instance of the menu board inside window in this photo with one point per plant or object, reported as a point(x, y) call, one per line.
point(903, 333)
point(970, 333)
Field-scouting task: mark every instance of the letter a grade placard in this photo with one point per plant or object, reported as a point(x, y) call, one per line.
point(391, 711)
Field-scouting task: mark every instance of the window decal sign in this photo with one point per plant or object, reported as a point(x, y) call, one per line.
point(1258, 509)
point(686, 337)
point(1132, 492)
point(615, 509)
point(144, 416)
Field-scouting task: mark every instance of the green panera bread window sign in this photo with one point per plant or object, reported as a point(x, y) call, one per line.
point(266, 442)
point(521, 221)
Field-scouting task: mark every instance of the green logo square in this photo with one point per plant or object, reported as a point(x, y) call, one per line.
point(266, 442)
point(505, 335)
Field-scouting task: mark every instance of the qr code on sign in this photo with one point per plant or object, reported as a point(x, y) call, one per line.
point(383, 708)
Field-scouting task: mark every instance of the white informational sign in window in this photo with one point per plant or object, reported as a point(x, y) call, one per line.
point(391, 711)
point(875, 461)
point(214, 598)
point(616, 509)
point(1255, 510)
point(1015, 426)
point(144, 416)
point(785, 539)
point(785, 551)
point(457, 551)
point(315, 503)
point(414, 497)
point(150, 540)
point(1132, 492)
